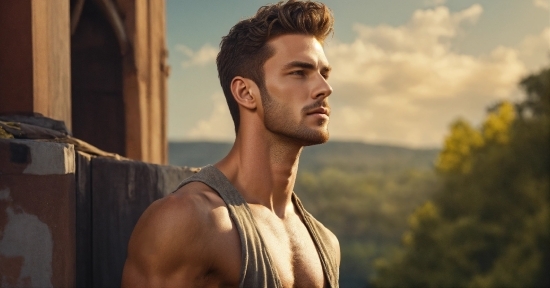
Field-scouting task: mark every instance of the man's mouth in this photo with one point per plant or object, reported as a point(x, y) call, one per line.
point(320, 110)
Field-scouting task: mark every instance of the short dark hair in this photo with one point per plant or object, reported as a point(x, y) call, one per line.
point(244, 50)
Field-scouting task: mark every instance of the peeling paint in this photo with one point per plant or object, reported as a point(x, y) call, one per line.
point(48, 158)
point(26, 236)
point(5, 194)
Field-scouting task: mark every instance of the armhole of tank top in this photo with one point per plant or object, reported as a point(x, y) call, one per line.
point(254, 224)
point(320, 246)
point(198, 178)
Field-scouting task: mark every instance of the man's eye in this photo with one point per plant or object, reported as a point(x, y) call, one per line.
point(298, 72)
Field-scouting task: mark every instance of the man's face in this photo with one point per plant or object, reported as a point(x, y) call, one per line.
point(296, 90)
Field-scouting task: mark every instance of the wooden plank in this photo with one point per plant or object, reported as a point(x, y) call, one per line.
point(121, 191)
point(159, 147)
point(145, 80)
point(51, 59)
point(133, 90)
point(156, 46)
point(83, 221)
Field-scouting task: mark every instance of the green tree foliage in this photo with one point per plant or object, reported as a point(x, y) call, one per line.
point(489, 226)
point(367, 210)
point(457, 153)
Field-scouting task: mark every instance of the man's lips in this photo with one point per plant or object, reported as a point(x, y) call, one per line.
point(320, 110)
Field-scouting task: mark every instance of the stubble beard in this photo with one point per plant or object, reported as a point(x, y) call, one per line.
point(275, 121)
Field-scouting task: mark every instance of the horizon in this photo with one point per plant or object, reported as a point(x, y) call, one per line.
point(229, 142)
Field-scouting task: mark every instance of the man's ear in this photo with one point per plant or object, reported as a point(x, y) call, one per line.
point(242, 90)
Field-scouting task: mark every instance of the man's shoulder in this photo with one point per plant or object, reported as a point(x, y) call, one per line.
point(193, 210)
point(181, 235)
point(193, 196)
point(194, 205)
point(176, 221)
point(196, 195)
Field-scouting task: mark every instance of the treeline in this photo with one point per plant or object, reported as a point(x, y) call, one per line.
point(366, 208)
point(488, 224)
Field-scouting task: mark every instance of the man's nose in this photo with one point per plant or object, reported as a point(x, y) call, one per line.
point(323, 89)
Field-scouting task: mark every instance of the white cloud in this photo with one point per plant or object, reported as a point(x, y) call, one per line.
point(405, 84)
point(544, 4)
point(532, 47)
point(218, 126)
point(206, 55)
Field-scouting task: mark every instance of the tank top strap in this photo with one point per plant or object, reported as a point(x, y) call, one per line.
point(320, 238)
point(257, 269)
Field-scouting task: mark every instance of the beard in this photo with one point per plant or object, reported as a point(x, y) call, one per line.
point(276, 120)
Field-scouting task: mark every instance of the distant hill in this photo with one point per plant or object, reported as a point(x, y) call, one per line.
point(196, 154)
point(341, 155)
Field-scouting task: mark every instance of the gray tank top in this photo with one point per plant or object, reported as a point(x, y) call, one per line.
point(257, 270)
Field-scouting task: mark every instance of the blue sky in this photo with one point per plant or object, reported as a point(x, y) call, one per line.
point(403, 69)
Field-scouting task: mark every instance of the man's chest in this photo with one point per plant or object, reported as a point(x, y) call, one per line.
point(292, 250)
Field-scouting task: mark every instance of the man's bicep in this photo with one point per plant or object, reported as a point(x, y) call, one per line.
point(161, 249)
point(133, 276)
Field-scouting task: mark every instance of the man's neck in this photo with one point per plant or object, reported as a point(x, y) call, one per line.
point(263, 169)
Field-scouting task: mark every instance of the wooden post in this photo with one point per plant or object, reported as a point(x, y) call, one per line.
point(35, 58)
point(145, 73)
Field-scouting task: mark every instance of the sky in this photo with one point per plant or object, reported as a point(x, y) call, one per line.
point(403, 70)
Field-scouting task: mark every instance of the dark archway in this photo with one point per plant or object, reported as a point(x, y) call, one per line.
point(98, 111)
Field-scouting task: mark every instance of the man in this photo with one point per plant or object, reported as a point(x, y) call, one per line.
point(239, 223)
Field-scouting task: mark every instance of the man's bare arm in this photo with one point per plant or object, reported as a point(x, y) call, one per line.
point(170, 245)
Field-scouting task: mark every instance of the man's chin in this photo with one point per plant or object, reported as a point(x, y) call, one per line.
point(304, 136)
point(320, 138)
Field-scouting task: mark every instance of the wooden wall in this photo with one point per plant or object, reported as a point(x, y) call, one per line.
point(111, 196)
point(66, 217)
point(118, 70)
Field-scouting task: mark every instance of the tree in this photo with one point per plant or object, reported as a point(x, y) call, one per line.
point(489, 226)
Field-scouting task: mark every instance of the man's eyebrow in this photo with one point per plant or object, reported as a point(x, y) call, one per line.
point(305, 65)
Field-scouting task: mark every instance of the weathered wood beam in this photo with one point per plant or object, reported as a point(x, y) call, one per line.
point(145, 73)
point(35, 58)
